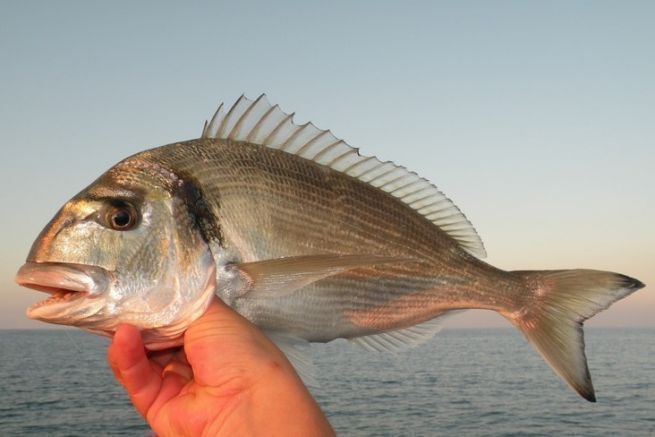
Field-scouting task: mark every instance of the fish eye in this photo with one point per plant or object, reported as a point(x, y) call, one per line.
point(121, 216)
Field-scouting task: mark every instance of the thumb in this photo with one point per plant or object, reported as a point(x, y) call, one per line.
point(223, 347)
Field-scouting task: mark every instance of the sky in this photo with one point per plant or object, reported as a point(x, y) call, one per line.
point(536, 118)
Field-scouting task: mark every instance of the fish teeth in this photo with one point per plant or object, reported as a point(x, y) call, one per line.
point(57, 296)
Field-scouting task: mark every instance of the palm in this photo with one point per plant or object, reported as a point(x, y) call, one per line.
point(227, 378)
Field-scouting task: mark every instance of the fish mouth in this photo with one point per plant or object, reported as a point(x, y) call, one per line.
point(71, 288)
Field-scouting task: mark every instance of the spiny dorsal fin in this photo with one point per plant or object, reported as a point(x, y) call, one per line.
point(259, 122)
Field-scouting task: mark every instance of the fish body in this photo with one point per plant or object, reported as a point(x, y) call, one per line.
point(303, 236)
point(260, 195)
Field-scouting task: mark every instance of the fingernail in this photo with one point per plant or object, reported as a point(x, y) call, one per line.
point(177, 369)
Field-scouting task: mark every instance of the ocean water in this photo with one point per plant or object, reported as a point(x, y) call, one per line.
point(464, 382)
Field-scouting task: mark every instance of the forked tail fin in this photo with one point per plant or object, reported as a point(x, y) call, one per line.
point(558, 303)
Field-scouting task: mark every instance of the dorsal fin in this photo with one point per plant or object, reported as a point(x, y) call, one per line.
point(259, 122)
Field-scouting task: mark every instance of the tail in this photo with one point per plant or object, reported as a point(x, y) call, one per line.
point(558, 303)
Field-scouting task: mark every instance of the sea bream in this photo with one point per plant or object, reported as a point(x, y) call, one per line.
point(301, 234)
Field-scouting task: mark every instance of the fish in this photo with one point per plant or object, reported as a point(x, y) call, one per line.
point(301, 234)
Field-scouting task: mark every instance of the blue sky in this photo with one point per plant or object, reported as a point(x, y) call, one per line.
point(536, 118)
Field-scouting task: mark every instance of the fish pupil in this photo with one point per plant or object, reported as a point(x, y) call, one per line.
point(118, 215)
point(121, 218)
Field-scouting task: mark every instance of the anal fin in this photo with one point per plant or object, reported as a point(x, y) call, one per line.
point(296, 350)
point(401, 339)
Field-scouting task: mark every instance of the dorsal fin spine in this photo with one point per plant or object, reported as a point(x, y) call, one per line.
point(255, 130)
point(234, 133)
point(430, 195)
point(412, 194)
point(340, 157)
point(320, 153)
point(408, 184)
point(204, 130)
point(293, 136)
point(431, 204)
point(440, 221)
point(309, 143)
point(392, 181)
point(455, 227)
point(407, 197)
point(364, 173)
point(353, 166)
point(381, 175)
point(271, 135)
point(226, 119)
point(207, 133)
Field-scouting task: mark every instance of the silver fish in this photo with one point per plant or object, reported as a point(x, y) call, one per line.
point(301, 234)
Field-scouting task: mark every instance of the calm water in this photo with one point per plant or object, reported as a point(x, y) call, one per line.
point(461, 383)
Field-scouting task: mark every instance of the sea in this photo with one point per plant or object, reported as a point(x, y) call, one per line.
point(462, 383)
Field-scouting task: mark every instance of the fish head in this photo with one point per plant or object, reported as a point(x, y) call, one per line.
point(130, 248)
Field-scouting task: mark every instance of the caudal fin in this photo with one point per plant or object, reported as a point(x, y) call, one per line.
point(558, 303)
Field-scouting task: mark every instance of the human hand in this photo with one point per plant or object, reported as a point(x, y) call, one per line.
point(229, 379)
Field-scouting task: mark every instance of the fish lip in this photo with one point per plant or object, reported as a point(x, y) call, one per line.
point(68, 285)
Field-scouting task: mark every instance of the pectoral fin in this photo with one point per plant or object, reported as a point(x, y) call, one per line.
point(282, 276)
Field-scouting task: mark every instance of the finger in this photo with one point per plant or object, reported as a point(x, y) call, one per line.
point(223, 346)
point(176, 374)
point(114, 369)
point(139, 377)
point(171, 386)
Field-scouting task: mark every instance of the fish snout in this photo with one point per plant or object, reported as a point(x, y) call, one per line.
point(73, 290)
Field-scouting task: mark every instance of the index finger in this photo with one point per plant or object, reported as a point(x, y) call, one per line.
point(128, 358)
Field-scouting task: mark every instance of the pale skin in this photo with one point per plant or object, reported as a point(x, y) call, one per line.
point(228, 379)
